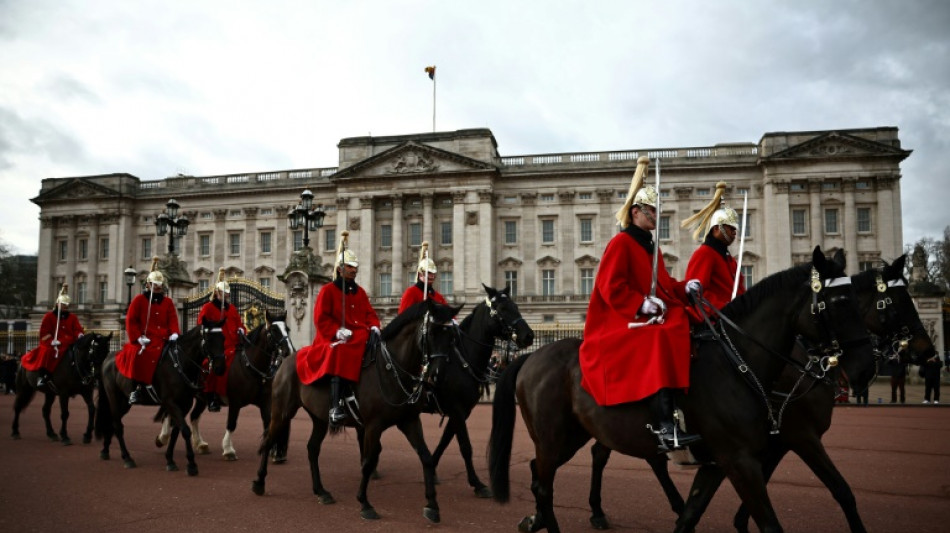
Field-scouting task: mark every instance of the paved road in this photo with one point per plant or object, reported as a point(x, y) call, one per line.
point(897, 459)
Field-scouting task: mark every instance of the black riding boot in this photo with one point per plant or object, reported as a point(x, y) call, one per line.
point(137, 392)
point(663, 406)
point(337, 412)
point(214, 404)
point(43, 379)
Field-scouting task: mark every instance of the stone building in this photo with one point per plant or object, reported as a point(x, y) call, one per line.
point(538, 223)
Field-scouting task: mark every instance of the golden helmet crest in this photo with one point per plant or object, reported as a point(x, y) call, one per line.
point(725, 215)
point(63, 297)
point(426, 264)
point(636, 186)
point(348, 258)
point(222, 285)
point(155, 276)
point(646, 196)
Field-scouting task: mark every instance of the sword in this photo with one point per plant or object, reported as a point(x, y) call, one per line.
point(735, 284)
point(343, 238)
point(656, 232)
point(59, 313)
point(425, 274)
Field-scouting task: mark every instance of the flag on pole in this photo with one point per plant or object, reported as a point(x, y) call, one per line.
point(430, 70)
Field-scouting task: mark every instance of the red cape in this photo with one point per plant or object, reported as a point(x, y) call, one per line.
point(162, 323)
point(716, 273)
point(44, 355)
point(233, 321)
point(413, 295)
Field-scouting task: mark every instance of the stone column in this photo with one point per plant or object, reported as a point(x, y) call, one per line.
point(71, 249)
point(849, 226)
point(219, 240)
point(427, 198)
point(92, 277)
point(46, 261)
point(817, 226)
point(888, 230)
point(458, 242)
point(367, 246)
point(249, 246)
point(486, 249)
point(777, 232)
point(529, 242)
point(399, 247)
point(566, 238)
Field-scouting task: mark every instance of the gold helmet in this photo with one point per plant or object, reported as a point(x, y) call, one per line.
point(345, 256)
point(222, 285)
point(714, 214)
point(155, 276)
point(63, 298)
point(426, 264)
point(637, 193)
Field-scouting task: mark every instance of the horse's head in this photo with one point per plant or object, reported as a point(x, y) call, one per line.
point(889, 313)
point(212, 344)
point(510, 325)
point(89, 352)
point(278, 337)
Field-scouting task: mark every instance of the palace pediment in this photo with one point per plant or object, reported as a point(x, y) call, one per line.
point(835, 144)
point(411, 159)
point(77, 188)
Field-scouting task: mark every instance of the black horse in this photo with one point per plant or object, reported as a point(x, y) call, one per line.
point(177, 378)
point(460, 380)
point(249, 383)
point(727, 406)
point(75, 374)
point(390, 385)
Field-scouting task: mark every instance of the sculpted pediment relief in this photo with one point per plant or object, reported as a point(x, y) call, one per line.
point(510, 262)
point(835, 144)
point(411, 159)
point(78, 188)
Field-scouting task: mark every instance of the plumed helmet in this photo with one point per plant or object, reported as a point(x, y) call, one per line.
point(714, 214)
point(725, 215)
point(222, 285)
point(155, 276)
point(345, 256)
point(426, 264)
point(646, 196)
point(63, 297)
point(623, 215)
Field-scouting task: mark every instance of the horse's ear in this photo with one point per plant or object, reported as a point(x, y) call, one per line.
point(818, 258)
point(506, 291)
point(490, 291)
point(457, 309)
point(896, 270)
point(841, 259)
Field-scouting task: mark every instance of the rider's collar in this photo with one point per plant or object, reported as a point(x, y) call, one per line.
point(350, 285)
point(642, 236)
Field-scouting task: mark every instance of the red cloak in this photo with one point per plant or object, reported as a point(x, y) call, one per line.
point(233, 321)
point(45, 355)
point(413, 295)
point(716, 272)
point(161, 324)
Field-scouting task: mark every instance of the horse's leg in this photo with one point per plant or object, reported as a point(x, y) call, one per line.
point(192, 467)
point(24, 394)
point(465, 446)
point(47, 410)
point(170, 448)
point(705, 483)
point(660, 466)
point(369, 454)
point(317, 434)
point(164, 433)
point(447, 435)
point(120, 410)
point(63, 418)
point(745, 474)
point(817, 459)
point(91, 409)
point(773, 456)
point(600, 454)
point(412, 429)
point(227, 447)
point(196, 440)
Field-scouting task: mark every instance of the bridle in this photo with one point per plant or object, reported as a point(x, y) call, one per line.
point(274, 346)
point(174, 354)
point(413, 392)
point(87, 361)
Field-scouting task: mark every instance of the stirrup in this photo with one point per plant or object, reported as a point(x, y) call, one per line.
point(353, 407)
point(134, 397)
point(337, 415)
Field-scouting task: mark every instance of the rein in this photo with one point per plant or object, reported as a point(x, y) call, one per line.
point(84, 378)
point(174, 354)
point(275, 360)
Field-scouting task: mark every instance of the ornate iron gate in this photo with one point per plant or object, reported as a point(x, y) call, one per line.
point(250, 298)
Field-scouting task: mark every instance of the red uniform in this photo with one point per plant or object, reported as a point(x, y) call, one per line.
point(212, 312)
point(324, 357)
point(619, 364)
point(46, 355)
point(161, 324)
point(715, 268)
point(413, 295)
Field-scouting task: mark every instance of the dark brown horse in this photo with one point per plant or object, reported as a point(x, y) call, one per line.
point(390, 385)
point(727, 401)
point(460, 380)
point(177, 378)
point(75, 374)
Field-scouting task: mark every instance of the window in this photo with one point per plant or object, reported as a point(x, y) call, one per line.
point(547, 232)
point(547, 197)
point(63, 250)
point(413, 278)
point(385, 284)
point(103, 291)
point(81, 292)
point(864, 220)
point(702, 192)
point(831, 221)
point(204, 245)
point(203, 285)
point(829, 186)
point(147, 248)
point(547, 283)
point(207, 215)
point(234, 213)
point(446, 283)
point(265, 282)
point(587, 230)
point(267, 211)
point(585, 196)
point(234, 243)
point(330, 239)
point(446, 230)
point(797, 187)
point(104, 248)
point(748, 276)
point(864, 266)
point(511, 232)
point(798, 222)
point(83, 249)
point(547, 319)
point(747, 225)
point(511, 281)
point(298, 240)
point(386, 235)
point(587, 281)
point(265, 242)
point(664, 228)
point(664, 193)
point(862, 185)
point(415, 234)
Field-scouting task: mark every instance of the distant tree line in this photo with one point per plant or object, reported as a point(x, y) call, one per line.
point(17, 283)
point(937, 254)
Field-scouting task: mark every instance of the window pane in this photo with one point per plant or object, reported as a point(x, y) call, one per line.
point(235, 239)
point(864, 219)
point(547, 231)
point(385, 284)
point(511, 281)
point(203, 285)
point(445, 283)
point(798, 222)
point(748, 276)
point(386, 235)
point(204, 245)
point(587, 230)
point(446, 233)
point(415, 234)
point(81, 293)
point(831, 221)
point(265, 242)
point(511, 232)
point(330, 237)
point(104, 248)
point(664, 227)
point(298, 240)
point(547, 282)
point(265, 282)
point(587, 281)
point(103, 291)
point(63, 250)
point(147, 248)
point(83, 249)
point(747, 225)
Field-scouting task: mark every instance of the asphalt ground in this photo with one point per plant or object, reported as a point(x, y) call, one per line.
point(896, 458)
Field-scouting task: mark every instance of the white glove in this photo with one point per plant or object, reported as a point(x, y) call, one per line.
point(241, 331)
point(652, 306)
point(374, 329)
point(81, 335)
point(343, 334)
point(694, 286)
point(55, 343)
point(173, 337)
point(144, 341)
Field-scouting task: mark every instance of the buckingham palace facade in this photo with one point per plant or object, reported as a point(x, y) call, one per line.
point(537, 223)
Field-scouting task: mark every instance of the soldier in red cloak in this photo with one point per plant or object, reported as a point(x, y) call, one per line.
point(424, 284)
point(711, 263)
point(151, 321)
point(637, 346)
point(219, 308)
point(337, 349)
point(58, 331)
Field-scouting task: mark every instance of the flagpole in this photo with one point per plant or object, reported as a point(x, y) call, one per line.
point(433, 102)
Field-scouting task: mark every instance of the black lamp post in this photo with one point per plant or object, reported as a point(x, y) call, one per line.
point(306, 215)
point(130, 275)
point(169, 223)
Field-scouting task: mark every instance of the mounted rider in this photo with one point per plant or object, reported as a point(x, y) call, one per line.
point(636, 336)
point(424, 288)
point(344, 319)
point(218, 308)
point(58, 331)
point(151, 321)
point(711, 263)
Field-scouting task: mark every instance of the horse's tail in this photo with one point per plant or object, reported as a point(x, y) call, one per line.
point(24, 391)
point(104, 426)
point(159, 415)
point(503, 431)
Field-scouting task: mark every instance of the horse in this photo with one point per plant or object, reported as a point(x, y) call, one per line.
point(459, 382)
point(889, 313)
point(249, 383)
point(76, 374)
point(728, 407)
point(390, 385)
point(177, 378)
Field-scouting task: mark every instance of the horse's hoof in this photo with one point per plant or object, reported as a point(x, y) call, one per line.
point(158, 442)
point(599, 522)
point(326, 499)
point(202, 449)
point(53, 437)
point(86, 439)
point(278, 459)
point(527, 525)
point(104, 456)
point(375, 475)
point(171, 467)
point(257, 487)
point(369, 514)
point(192, 470)
point(483, 492)
point(129, 463)
point(432, 515)
point(435, 479)
point(15, 436)
point(67, 441)
point(230, 456)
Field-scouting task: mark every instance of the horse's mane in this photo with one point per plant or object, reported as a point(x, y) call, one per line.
point(440, 313)
point(255, 333)
point(749, 301)
point(863, 281)
point(467, 321)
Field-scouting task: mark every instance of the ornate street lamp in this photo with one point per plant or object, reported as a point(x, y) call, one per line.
point(130, 275)
point(169, 223)
point(306, 215)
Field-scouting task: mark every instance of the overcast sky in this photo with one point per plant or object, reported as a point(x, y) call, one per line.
point(207, 87)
